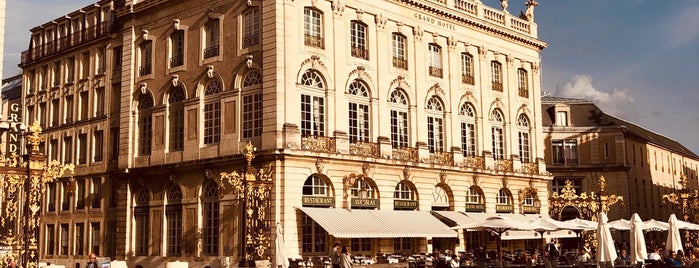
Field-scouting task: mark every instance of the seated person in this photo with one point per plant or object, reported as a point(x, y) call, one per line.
point(622, 259)
point(655, 255)
point(672, 261)
point(583, 256)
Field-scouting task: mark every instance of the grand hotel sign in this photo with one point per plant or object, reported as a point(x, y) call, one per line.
point(14, 116)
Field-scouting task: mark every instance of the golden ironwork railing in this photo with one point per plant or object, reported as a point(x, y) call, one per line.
point(320, 144)
point(405, 154)
point(365, 148)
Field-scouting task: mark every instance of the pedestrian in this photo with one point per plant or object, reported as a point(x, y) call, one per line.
point(92, 263)
point(345, 259)
point(12, 264)
point(335, 256)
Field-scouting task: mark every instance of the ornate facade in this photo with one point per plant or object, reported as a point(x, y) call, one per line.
point(153, 100)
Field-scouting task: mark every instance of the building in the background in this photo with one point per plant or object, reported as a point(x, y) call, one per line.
point(583, 143)
point(152, 100)
point(12, 112)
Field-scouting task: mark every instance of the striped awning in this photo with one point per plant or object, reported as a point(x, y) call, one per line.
point(343, 223)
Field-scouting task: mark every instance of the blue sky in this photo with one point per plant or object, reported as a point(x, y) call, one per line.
point(637, 59)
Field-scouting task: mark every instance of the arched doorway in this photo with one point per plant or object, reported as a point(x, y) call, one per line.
point(569, 213)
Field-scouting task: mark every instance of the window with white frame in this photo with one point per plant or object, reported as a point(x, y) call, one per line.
point(212, 30)
point(403, 191)
point(562, 118)
point(312, 27)
point(312, 106)
point(358, 40)
point(175, 101)
point(435, 59)
point(496, 75)
point(211, 230)
point(497, 132)
point(145, 123)
point(142, 222)
point(362, 189)
point(251, 28)
point(398, 102)
point(523, 134)
point(435, 124)
point(315, 186)
point(173, 216)
point(523, 83)
point(359, 114)
point(474, 196)
point(503, 197)
point(399, 48)
point(252, 105)
point(177, 48)
point(467, 114)
point(212, 112)
point(467, 69)
point(564, 151)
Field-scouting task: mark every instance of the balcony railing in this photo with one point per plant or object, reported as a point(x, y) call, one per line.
point(530, 168)
point(314, 41)
point(434, 71)
point(504, 165)
point(364, 148)
point(405, 154)
point(251, 40)
point(467, 6)
point(211, 51)
point(523, 92)
point(467, 79)
point(68, 41)
point(474, 162)
point(176, 61)
point(359, 52)
point(144, 70)
point(497, 86)
point(442, 158)
point(400, 63)
point(320, 144)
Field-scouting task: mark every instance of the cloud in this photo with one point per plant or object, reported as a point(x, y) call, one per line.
point(618, 102)
point(683, 27)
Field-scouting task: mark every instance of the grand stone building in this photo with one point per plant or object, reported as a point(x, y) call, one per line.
point(152, 100)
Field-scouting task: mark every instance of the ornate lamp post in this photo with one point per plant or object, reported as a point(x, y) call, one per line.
point(687, 201)
point(23, 181)
point(253, 186)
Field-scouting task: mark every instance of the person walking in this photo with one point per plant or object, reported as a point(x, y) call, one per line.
point(92, 263)
point(345, 259)
point(335, 256)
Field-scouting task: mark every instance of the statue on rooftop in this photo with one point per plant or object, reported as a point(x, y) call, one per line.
point(531, 4)
point(503, 4)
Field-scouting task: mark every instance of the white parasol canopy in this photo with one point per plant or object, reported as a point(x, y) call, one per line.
point(281, 260)
point(683, 225)
point(620, 225)
point(638, 240)
point(605, 243)
point(582, 225)
point(674, 241)
point(654, 225)
point(498, 225)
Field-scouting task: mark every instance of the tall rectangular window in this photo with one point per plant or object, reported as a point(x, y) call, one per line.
point(498, 143)
point(97, 144)
point(55, 112)
point(173, 216)
point(65, 196)
point(496, 75)
point(80, 194)
point(312, 27)
point(358, 40)
point(313, 236)
point(68, 109)
point(467, 69)
point(64, 239)
point(96, 195)
point(211, 227)
point(82, 151)
point(399, 51)
point(56, 74)
point(435, 54)
point(50, 239)
point(99, 102)
point(468, 139)
point(358, 122)
point(51, 197)
point(95, 238)
point(146, 53)
point(53, 150)
point(252, 115)
point(213, 38)
point(142, 227)
point(101, 61)
point(84, 104)
point(561, 118)
point(70, 70)
point(79, 239)
point(177, 48)
point(176, 127)
point(85, 65)
point(145, 133)
point(312, 115)
point(42, 114)
point(524, 152)
point(68, 150)
point(114, 143)
point(212, 122)
point(117, 55)
point(523, 83)
point(251, 20)
point(435, 134)
point(399, 129)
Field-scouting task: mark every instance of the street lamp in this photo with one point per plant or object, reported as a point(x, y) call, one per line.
point(23, 181)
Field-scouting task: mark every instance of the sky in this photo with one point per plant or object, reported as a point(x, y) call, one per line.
point(636, 59)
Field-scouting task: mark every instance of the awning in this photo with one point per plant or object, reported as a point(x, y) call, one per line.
point(455, 216)
point(343, 223)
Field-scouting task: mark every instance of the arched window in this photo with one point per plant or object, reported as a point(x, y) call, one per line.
point(504, 197)
point(315, 186)
point(404, 197)
point(498, 136)
point(359, 115)
point(210, 207)
point(176, 118)
point(313, 104)
point(252, 105)
point(145, 123)
point(398, 101)
point(435, 125)
point(362, 189)
point(523, 133)
point(212, 112)
point(474, 195)
point(467, 114)
point(142, 223)
point(441, 198)
point(173, 216)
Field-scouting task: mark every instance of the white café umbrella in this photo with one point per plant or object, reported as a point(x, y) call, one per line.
point(638, 240)
point(674, 242)
point(497, 225)
point(683, 225)
point(582, 225)
point(605, 243)
point(653, 225)
point(620, 225)
point(279, 243)
point(545, 224)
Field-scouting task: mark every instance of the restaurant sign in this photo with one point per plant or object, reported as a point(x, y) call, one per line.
point(530, 210)
point(317, 201)
point(365, 203)
point(504, 208)
point(405, 204)
point(475, 207)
